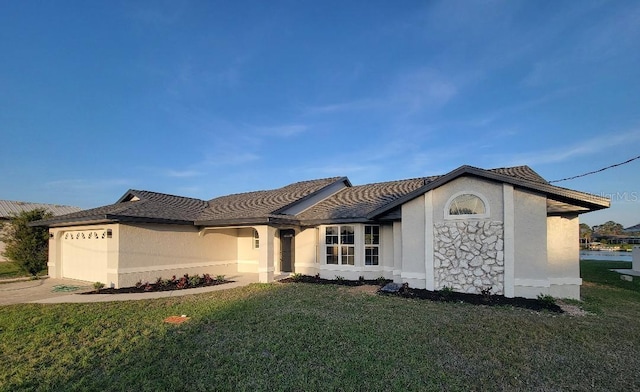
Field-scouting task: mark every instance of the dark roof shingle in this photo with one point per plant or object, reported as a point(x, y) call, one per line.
point(261, 204)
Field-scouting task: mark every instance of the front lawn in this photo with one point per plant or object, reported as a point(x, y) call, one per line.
point(300, 336)
point(10, 270)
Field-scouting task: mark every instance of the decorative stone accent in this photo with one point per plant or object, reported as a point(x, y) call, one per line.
point(469, 256)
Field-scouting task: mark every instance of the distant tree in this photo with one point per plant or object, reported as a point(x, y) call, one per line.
point(609, 228)
point(26, 246)
point(585, 231)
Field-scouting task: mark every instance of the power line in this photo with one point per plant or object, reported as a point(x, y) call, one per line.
point(598, 171)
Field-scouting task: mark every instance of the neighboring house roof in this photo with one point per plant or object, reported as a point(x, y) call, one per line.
point(632, 229)
point(9, 208)
point(318, 201)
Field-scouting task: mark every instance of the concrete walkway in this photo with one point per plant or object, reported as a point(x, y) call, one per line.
point(46, 291)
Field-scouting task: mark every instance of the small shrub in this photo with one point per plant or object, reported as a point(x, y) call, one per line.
point(159, 281)
point(486, 293)
point(446, 292)
point(360, 279)
point(148, 286)
point(297, 277)
point(381, 281)
point(195, 281)
point(317, 277)
point(546, 299)
point(139, 284)
point(220, 278)
point(207, 279)
point(166, 282)
point(98, 285)
point(183, 282)
point(340, 278)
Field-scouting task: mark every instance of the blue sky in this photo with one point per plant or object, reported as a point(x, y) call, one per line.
point(206, 98)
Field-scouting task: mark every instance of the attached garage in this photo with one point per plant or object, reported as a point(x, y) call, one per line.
point(84, 255)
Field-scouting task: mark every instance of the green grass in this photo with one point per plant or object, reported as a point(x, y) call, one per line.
point(11, 270)
point(311, 337)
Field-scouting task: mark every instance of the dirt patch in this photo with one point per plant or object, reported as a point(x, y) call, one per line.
point(364, 289)
point(176, 319)
point(572, 310)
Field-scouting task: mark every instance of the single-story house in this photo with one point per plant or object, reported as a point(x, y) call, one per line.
point(471, 229)
point(9, 208)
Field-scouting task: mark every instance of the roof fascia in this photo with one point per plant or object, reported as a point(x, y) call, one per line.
point(130, 192)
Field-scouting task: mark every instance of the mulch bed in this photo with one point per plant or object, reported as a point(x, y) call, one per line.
point(439, 296)
point(183, 283)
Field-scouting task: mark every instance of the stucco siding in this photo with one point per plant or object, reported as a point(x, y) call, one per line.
point(247, 253)
point(491, 191)
point(413, 243)
point(563, 253)
point(151, 251)
point(306, 251)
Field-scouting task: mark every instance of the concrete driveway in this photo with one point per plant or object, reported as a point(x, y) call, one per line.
point(41, 289)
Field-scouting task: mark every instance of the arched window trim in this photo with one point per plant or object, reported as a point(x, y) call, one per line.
point(447, 207)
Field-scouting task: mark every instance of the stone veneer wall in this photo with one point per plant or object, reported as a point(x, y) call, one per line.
point(469, 256)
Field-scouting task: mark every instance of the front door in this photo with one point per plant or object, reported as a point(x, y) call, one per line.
point(287, 239)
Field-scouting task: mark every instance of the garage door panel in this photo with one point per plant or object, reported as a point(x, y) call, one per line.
point(84, 255)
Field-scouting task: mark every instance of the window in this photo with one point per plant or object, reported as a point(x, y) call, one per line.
point(340, 245)
point(465, 204)
point(371, 245)
point(256, 239)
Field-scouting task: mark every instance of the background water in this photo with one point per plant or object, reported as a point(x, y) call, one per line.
point(605, 255)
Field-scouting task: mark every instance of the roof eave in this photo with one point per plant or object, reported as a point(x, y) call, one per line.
point(575, 197)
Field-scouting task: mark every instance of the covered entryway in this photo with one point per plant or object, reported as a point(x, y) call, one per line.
point(84, 255)
point(287, 255)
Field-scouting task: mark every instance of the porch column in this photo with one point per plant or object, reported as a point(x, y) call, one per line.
point(509, 240)
point(266, 266)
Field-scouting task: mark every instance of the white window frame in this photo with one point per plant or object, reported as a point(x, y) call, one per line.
point(372, 245)
point(342, 257)
point(447, 207)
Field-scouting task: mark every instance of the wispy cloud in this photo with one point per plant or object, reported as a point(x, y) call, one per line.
point(282, 130)
point(595, 145)
point(182, 173)
point(422, 89)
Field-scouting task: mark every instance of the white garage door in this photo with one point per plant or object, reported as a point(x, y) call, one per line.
point(84, 255)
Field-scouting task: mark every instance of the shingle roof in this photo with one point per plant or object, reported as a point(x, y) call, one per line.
point(140, 205)
point(9, 208)
point(358, 201)
point(261, 204)
point(522, 172)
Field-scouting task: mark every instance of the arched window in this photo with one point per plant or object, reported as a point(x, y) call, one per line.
point(465, 205)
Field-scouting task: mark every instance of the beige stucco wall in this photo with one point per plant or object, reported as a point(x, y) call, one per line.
point(490, 190)
point(247, 253)
point(530, 236)
point(151, 251)
point(413, 243)
point(563, 253)
point(306, 259)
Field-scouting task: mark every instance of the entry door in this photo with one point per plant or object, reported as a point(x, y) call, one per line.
point(287, 243)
